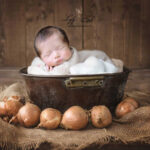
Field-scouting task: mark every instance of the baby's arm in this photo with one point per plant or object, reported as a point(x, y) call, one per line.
point(37, 67)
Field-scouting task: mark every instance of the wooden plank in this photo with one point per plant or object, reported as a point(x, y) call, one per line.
point(2, 34)
point(9, 75)
point(89, 24)
point(118, 23)
point(132, 33)
point(14, 29)
point(9, 72)
point(119, 27)
point(98, 31)
point(38, 15)
point(139, 80)
point(145, 34)
point(68, 16)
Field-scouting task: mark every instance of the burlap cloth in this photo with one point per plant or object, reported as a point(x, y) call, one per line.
point(133, 127)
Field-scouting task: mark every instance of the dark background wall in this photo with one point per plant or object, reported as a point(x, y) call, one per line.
point(121, 28)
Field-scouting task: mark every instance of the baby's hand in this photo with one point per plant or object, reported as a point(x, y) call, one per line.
point(49, 68)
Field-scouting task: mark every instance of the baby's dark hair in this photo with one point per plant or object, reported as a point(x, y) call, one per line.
point(46, 32)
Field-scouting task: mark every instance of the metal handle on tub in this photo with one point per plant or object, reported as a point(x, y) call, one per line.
point(96, 81)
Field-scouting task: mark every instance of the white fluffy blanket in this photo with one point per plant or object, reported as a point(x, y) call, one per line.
point(82, 62)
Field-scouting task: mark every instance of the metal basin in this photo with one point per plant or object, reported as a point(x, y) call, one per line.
point(63, 91)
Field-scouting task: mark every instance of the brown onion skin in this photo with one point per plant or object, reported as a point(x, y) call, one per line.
point(5, 107)
point(132, 101)
point(50, 118)
point(101, 116)
point(3, 111)
point(29, 115)
point(12, 107)
point(14, 97)
point(74, 118)
point(126, 106)
point(9, 107)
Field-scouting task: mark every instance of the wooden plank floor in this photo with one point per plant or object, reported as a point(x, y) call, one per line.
point(9, 75)
point(139, 80)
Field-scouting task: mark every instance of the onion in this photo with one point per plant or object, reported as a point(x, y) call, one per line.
point(74, 118)
point(3, 111)
point(12, 107)
point(50, 118)
point(132, 101)
point(126, 106)
point(9, 107)
point(101, 116)
point(14, 97)
point(29, 115)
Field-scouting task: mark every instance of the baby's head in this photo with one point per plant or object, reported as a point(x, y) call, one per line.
point(52, 46)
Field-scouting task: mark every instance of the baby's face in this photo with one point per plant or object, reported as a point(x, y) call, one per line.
point(54, 51)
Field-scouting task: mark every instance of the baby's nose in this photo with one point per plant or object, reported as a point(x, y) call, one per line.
point(56, 55)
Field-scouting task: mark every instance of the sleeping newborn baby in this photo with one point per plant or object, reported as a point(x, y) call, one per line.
point(54, 54)
point(56, 57)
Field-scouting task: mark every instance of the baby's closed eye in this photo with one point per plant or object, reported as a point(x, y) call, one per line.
point(47, 54)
